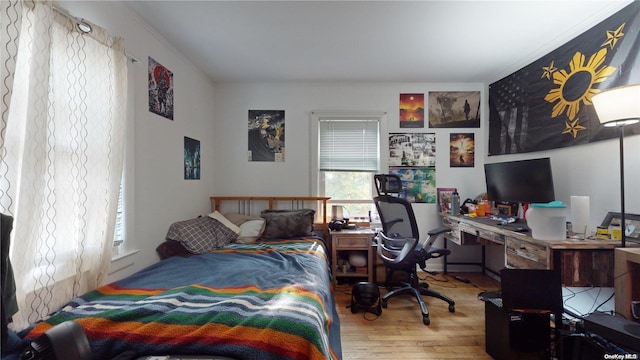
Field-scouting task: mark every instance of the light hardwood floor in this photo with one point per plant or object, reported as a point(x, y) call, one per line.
point(399, 332)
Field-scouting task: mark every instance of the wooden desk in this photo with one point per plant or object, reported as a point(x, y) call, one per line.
point(581, 262)
point(627, 279)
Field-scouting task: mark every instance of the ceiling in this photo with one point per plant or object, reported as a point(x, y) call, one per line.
point(368, 41)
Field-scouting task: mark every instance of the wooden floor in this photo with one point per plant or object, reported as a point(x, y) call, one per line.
point(399, 332)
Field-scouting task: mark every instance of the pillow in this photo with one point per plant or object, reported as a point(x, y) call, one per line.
point(250, 231)
point(238, 219)
point(216, 215)
point(201, 234)
point(280, 224)
point(171, 248)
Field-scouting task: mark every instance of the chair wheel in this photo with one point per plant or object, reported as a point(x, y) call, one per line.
point(452, 308)
point(425, 320)
point(353, 309)
point(383, 302)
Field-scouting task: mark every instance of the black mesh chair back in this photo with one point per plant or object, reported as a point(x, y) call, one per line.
point(400, 247)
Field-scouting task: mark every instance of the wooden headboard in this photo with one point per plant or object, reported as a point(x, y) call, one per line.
point(252, 205)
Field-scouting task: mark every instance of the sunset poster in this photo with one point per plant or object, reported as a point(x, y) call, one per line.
point(412, 110)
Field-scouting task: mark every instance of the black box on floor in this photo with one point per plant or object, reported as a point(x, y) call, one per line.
point(511, 335)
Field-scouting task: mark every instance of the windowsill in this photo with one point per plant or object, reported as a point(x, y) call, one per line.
point(124, 255)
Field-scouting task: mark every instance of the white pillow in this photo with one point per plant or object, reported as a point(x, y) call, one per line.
point(216, 215)
point(250, 231)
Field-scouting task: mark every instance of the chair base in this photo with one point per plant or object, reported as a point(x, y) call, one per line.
point(417, 290)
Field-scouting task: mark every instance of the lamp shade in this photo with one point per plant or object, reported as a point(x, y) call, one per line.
point(618, 106)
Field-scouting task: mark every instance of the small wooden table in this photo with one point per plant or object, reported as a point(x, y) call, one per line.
point(344, 241)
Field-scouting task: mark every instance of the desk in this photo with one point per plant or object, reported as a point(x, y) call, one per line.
point(581, 262)
point(627, 281)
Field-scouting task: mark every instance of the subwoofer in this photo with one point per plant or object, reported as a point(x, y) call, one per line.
point(365, 296)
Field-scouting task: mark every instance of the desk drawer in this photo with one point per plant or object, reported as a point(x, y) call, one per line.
point(468, 234)
point(525, 255)
point(353, 241)
point(454, 235)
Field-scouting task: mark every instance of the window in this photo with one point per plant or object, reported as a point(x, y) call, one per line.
point(118, 233)
point(348, 155)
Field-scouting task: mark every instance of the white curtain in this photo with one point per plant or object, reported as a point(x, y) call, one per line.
point(62, 145)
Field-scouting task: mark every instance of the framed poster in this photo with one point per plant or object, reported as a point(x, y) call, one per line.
point(191, 159)
point(418, 185)
point(444, 199)
point(632, 224)
point(160, 90)
point(454, 109)
point(462, 150)
point(412, 149)
point(411, 110)
point(266, 135)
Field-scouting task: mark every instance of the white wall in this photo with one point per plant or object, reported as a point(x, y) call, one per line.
point(157, 195)
point(235, 175)
point(217, 116)
point(581, 170)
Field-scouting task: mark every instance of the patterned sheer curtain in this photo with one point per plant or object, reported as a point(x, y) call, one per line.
point(63, 98)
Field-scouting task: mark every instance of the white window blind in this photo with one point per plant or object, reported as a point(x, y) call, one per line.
point(118, 234)
point(349, 144)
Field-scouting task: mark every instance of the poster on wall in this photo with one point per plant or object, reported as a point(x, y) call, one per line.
point(418, 185)
point(412, 110)
point(454, 109)
point(462, 150)
point(266, 135)
point(547, 104)
point(191, 159)
point(412, 149)
point(160, 89)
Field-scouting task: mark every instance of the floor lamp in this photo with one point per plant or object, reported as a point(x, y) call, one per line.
point(619, 107)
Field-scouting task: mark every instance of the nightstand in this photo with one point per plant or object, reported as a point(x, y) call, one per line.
point(344, 241)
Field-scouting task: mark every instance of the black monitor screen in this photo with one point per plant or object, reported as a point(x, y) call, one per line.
point(524, 181)
point(528, 289)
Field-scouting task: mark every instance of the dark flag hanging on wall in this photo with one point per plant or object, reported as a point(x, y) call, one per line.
point(547, 104)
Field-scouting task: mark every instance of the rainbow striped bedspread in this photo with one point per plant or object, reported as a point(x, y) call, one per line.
point(269, 300)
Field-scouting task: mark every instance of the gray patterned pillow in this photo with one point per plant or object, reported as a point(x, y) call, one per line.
point(282, 224)
point(201, 235)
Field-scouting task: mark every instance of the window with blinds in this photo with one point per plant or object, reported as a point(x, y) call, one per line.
point(349, 144)
point(348, 155)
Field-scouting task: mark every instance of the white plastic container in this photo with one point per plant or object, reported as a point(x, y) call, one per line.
point(547, 221)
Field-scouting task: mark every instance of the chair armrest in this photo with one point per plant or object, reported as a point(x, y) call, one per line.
point(438, 231)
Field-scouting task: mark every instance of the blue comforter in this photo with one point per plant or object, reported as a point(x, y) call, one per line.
point(268, 300)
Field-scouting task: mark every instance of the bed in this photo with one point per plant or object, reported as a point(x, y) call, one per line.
point(265, 299)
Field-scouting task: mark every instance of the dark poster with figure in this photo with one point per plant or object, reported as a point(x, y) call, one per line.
point(191, 159)
point(547, 104)
point(160, 89)
point(266, 135)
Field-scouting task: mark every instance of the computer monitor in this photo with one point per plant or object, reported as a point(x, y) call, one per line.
point(523, 181)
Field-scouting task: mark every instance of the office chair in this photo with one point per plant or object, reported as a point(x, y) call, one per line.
point(399, 245)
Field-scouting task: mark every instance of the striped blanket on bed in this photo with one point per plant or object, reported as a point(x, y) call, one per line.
point(269, 300)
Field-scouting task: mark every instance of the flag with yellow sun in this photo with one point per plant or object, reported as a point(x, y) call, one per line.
point(547, 104)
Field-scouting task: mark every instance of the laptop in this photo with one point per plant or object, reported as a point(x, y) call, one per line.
point(531, 290)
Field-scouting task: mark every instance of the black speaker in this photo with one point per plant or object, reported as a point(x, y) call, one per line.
point(64, 341)
point(365, 296)
point(510, 335)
